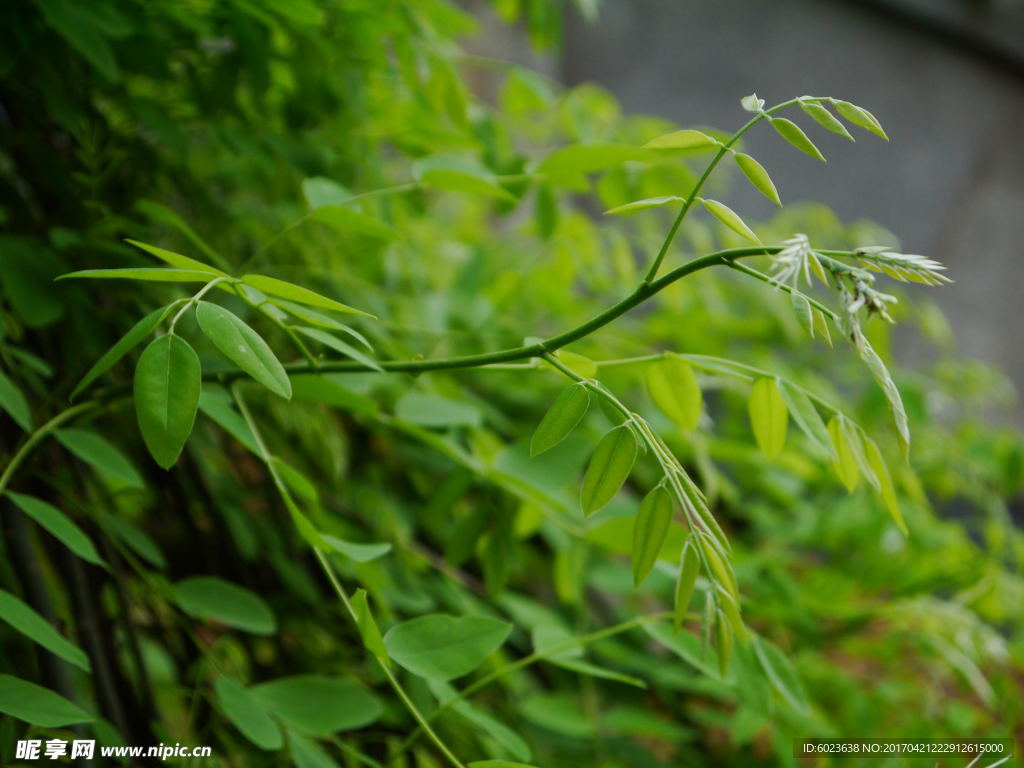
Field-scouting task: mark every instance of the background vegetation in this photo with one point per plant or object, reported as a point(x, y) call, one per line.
point(354, 149)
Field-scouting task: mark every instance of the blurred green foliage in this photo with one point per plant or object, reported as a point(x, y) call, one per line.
point(354, 148)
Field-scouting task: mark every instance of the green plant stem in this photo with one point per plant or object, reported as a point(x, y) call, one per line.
point(26, 448)
point(424, 725)
point(336, 584)
point(533, 658)
point(783, 287)
point(692, 197)
point(195, 299)
point(638, 296)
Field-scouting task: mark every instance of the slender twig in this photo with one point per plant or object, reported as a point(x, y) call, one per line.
point(336, 584)
point(725, 148)
point(642, 293)
point(26, 448)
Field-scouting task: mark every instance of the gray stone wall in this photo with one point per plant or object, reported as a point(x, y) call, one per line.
point(950, 182)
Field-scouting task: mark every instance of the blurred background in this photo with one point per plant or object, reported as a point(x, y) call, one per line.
point(301, 139)
point(946, 77)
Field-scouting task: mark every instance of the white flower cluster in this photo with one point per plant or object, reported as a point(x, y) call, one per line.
point(906, 267)
point(795, 259)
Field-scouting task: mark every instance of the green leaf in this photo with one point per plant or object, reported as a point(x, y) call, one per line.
point(285, 290)
point(579, 364)
point(429, 410)
point(161, 213)
point(509, 740)
point(686, 646)
point(561, 418)
point(59, 525)
point(820, 325)
point(859, 116)
point(730, 218)
point(125, 344)
point(243, 346)
point(37, 705)
point(177, 260)
point(608, 469)
point(168, 381)
point(25, 620)
point(560, 713)
point(368, 628)
point(14, 402)
point(780, 673)
point(723, 644)
point(769, 417)
point(350, 221)
point(318, 705)
point(649, 531)
point(329, 389)
point(153, 274)
point(218, 405)
point(82, 27)
point(210, 597)
point(845, 463)
point(443, 647)
point(593, 670)
point(802, 310)
point(892, 394)
point(758, 176)
point(547, 636)
point(98, 452)
point(320, 191)
point(886, 489)
point(685, 139)
point(650, 202)
point(136, 539)
point(792, 133)
point(689, 567)
point(587, 158)
point(453, 180)
point(306, 753)
point(674, 389)
point(359, 552)
point(323, 321)
point(498, 764)
point(340, 346)
point(825, 119)
point(247, 714)
point(806, 416)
